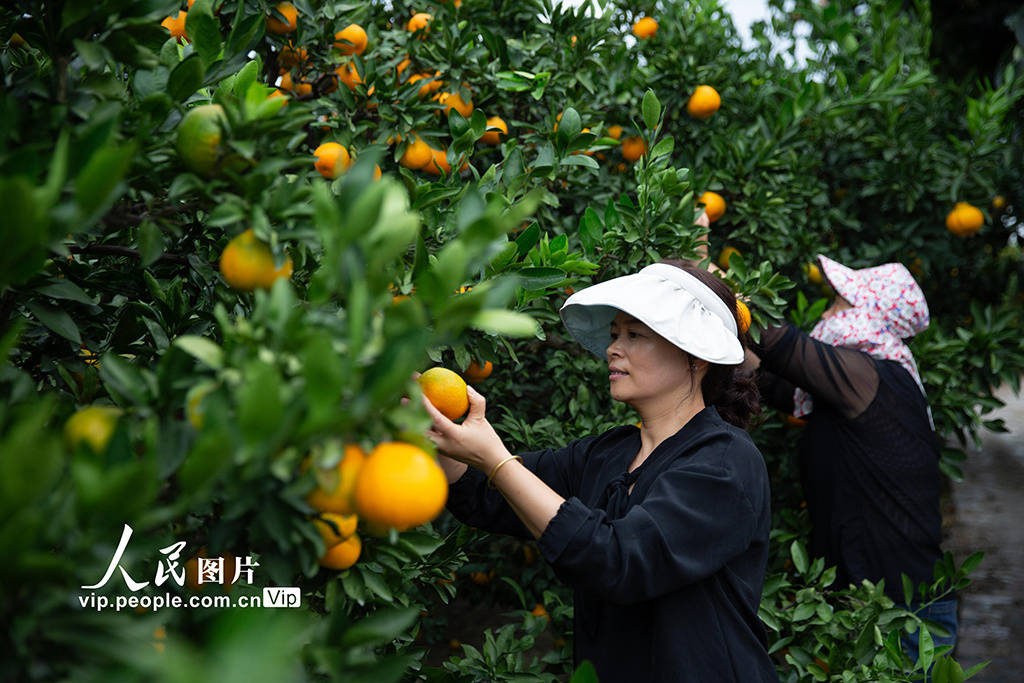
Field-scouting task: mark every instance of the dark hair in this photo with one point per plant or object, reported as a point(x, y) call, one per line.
point(732, 391)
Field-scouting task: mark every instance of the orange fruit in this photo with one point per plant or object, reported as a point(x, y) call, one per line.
point(704, 102)
point(199, 138)
point(293, 56)
point(417, 154)
point(335, 528)
point(813, 273)
point(400, 486)
point(279, 93)
point(633, 148)
point(291, 15)
point(331, 160)
point(93, 425)
point(336, 487)
point(481, 578)
point(475, 373)
point(176, 25)
point(351, 40)
point(438, 163)
point(431, 86)
point(247, 263)
point(999, 202)
point(342, 555)
point(403, 65)
point(446, 390)
point(288, 85)
point(964, 219)
point(742, 315)
point(453, 100)
point(492, 136)
point(714, 205)
point(420, 22)
point(349, 75)
point(539, 611)
point(723, 256)
point(615, 131)
point(794, 421)
point(17, 41)
point(645, 27)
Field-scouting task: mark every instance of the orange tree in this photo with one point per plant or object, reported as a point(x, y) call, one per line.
point(209, 291)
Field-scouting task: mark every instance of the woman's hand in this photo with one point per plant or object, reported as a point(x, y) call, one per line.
point(474, 442)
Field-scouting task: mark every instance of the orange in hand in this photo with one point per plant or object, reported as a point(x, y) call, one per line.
point(446, 391)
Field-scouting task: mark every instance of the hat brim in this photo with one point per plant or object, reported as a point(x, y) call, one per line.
point(663, 304)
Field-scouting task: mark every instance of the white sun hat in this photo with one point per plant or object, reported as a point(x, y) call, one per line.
point(667, 299)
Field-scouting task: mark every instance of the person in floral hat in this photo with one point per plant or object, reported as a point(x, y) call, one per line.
point(869, 455)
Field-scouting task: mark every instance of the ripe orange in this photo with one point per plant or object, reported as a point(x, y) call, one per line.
point(723, 256)
point(400, 486)
point(446, 390)
point(475, 373)
point(964, 219)
point(438, 163)
point(453, 100)
point(336, 487)
point(743, 315)
point(420, 22)
point(795, 422)
point(539, 611)
point(645, 28)
point(813, 273)
point(355, 37)
point(247, 263)
point(633, 148)
point(481, 578)
point(293, 56)
point(288, 85)
point(999, 202)
point(615, 131)
point(342, 555)
point(176, 25)
point(704, 102)
point(349, 75)
point(417, 154)
point(714, 205)
point(331, 160)
point(93, 425)
point(291, 15)
point(199, 138)
point(335, 528)
point(431, 86)
point(403, 65)
point(493, 137)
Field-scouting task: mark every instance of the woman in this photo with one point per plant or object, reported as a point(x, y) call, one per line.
point(869, 457)
point(662, 530)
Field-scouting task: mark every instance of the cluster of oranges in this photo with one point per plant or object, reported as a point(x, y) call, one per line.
point(397, 485)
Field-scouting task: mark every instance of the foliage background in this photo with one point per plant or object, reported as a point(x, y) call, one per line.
point(111, 295)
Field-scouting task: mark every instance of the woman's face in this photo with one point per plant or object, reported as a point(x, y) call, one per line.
point(839, 304)
point(644, 365)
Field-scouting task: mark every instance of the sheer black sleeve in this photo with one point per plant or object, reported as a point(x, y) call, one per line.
point(845, 378)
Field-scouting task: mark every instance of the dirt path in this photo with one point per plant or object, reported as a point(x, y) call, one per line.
point(989, 516)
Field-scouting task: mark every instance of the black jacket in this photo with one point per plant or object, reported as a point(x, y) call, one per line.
point(667, 579)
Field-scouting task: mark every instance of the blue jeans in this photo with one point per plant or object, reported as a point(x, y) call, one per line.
point(942, 613)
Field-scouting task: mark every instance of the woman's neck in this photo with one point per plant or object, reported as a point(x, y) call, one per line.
point(660, 422)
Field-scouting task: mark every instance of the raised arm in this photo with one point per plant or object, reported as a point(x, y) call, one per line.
point(842, 377)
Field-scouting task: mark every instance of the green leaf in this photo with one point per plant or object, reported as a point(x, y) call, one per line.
point(799, 555)
point(186, 78)
point(151, 243)
point(501, 322)
point(540, 278)
point(67, 290)
point(204, 32)
point(380, 627)
point(569, 126)
point(97, 183)
point(926, 649)
point(123, 378)
point(376, 584)
point(664, 147)
point(202, 349)
point(585, 673)
point(651, 109)
point(420, 543)
point(55, 319)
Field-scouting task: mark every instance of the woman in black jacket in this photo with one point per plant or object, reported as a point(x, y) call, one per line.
point(661, 530)
point(869, 456)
